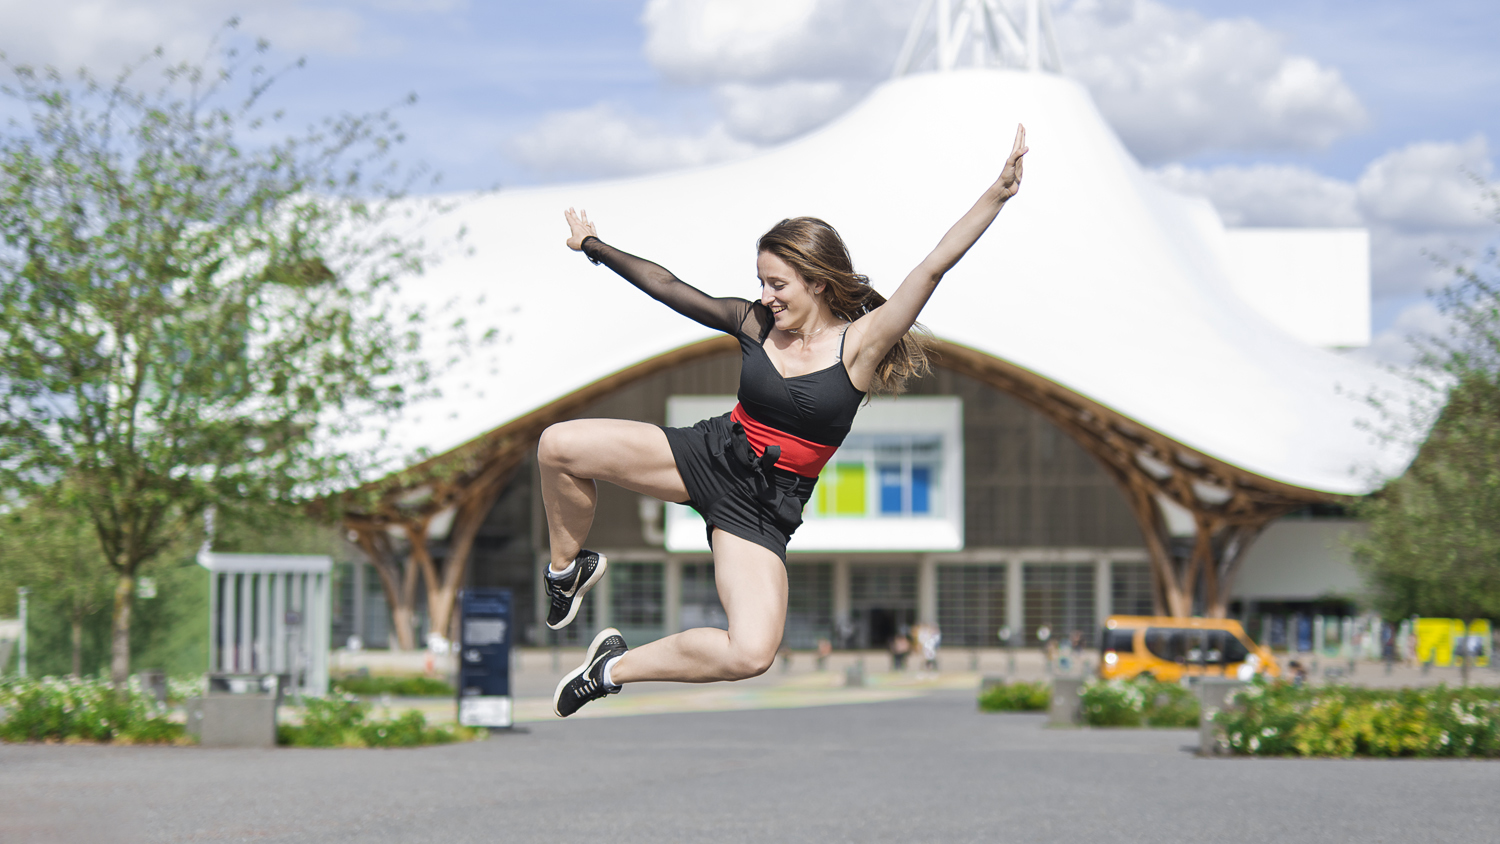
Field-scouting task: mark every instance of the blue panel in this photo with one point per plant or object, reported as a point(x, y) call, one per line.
point(921, 489)
point(890, 488)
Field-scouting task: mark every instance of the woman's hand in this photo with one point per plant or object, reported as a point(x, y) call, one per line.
point(579, 228)
point(1010, 178)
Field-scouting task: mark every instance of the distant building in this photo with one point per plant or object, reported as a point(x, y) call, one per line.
point(1128, 394)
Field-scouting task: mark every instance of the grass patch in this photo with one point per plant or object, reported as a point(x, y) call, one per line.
point(344, 721)
point(1016, 697)
point(358, 684)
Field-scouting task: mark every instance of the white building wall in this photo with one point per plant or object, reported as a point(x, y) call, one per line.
point(1301, 560)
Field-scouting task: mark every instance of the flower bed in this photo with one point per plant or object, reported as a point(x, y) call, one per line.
point(1016, 697)
point(344, 721)
point(1283, 720)
point(1136, 703)
point(62, 709)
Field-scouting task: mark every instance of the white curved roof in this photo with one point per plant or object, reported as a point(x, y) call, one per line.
point(1093, 277)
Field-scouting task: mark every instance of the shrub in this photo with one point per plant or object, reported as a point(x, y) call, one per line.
point(356, 684)
point(1112, 703)
point(343, 721)
point(1016, 697)
point(1283, 720)
point(1169, 704)
point(61, 709)
point(1137, 702)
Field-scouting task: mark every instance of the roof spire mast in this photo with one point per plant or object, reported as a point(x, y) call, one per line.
point(943, 28)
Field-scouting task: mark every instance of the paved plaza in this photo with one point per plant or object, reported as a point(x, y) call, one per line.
point(904, 760)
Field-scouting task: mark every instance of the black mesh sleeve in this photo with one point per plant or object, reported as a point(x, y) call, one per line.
point(726, 315)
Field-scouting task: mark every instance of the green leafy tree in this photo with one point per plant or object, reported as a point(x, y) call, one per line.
point(1433, 546)
point(56, 554)
point(196, 305)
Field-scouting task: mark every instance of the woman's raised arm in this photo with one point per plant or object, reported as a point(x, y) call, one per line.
point(876, 332)
point(656, 281)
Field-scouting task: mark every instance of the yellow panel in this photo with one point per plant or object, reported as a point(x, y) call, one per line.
point(1435, 640)
point(849, 490)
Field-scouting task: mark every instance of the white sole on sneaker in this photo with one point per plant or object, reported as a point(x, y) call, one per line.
point(583, 589)
point(588, 660)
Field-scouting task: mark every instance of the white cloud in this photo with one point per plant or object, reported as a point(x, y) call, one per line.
point(1419, 203)
point(603, 141)
point(774, 41)
point(1394, 346)
point(104, 35)
point(1173, 83)
point(1268, 194)
point(1428, 186)
point(765, 114)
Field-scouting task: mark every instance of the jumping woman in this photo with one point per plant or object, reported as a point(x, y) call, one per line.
point(813, 346)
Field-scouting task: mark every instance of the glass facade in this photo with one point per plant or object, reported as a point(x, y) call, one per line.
point(1130, 589)
point(700, 598)
point(638, 600)
point(809, 610)
point(971, 603)
point(1061, 598)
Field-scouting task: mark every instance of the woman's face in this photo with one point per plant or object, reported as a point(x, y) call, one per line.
point(793, 304)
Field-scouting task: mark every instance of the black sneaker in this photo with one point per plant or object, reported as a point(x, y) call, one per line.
point(586, 682)
point(567, 593)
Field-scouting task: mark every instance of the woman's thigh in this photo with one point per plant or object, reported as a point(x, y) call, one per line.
point(752, 586)
point(633, 455)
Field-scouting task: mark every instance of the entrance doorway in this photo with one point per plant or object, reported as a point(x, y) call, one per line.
point(882, 603)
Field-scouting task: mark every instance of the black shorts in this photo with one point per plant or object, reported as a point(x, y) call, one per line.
point(732, 489)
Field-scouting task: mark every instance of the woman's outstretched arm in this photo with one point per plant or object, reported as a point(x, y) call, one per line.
point(876, 332)
point(719, 314)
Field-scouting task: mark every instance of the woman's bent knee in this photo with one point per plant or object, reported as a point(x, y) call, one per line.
point(745, 663)
point(558, 445)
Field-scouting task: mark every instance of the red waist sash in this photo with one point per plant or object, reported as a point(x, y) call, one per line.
point(798, 456)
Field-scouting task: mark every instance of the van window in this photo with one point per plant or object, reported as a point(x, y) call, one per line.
point(1166, 643)
point(1235, 650)
point(1122, 641)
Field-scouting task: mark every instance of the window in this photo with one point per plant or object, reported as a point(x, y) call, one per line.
point(1060, 598)
point(1120, 641)
point(1130, 589)
point(809, 607)
point(896, 483)
point(1235, 650)
point(1165, 643)
point(700, 598)
point(886, 476)
point(636, 594)
point(971, 604)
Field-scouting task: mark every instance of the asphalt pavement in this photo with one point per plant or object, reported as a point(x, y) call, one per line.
point(922, 768)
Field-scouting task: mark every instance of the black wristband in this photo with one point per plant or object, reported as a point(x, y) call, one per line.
point(584, 245)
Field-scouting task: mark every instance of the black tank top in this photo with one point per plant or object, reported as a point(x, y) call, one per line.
point(818, 407)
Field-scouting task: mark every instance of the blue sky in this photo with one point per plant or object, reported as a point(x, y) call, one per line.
point(1319, 112)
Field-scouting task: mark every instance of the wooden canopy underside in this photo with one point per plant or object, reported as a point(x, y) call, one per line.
point(1227, 506)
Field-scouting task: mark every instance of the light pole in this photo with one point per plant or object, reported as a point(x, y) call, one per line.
point(21, 660)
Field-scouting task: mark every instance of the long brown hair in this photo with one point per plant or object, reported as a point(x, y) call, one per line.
point(814, 249)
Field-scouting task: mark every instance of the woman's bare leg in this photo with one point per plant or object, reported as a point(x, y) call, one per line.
point(753, 588)
point(573, 455)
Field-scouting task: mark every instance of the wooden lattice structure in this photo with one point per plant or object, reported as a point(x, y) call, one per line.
point(1227, 506)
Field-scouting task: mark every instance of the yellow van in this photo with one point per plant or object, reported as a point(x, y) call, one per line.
point(1172, 648)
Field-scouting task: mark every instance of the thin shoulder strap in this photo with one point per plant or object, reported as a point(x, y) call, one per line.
point(842, 334)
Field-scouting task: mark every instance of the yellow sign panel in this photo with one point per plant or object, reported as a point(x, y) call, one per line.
point(1442, 641)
